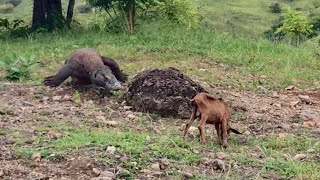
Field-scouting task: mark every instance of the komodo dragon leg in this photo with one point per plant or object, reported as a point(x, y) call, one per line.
point(113, 65)
point(64, 72)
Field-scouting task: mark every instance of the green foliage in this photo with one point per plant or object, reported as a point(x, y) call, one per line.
point(271, 34)
point(6, 8)
point(296, 25)
point(18, 67)
point(275, 7)
point(13, 2)
point(83, 8)
point(15, 28)
point(181, 12)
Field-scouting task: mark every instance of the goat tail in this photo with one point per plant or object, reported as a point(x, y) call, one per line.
point(234, 131)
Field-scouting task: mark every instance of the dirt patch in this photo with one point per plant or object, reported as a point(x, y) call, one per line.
point(162, 91)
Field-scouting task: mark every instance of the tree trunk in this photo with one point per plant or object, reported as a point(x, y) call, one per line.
point(130, 14)
point(54, 14)
point(70, 13)
point(38, 17)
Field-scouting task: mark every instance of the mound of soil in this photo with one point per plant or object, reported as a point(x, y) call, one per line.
point(166, 92)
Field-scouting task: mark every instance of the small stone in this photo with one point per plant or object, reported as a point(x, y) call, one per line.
point(131, 116)
point(96, 171)
point(282, 135)
point(111, 150)
point(311, 150)
point(300, 157)
point(275, 95)
point(107, 174)
point(101, 118)
point(111, 123)
point(308, 124)
point(1, 172)
point(218, 164)
point(220, 155)
point(278, 105)
point(127, 107)
point(316, 131)
point(123, 171)
point(195, 151)
point(247, 133)
point(66, 97)
point(182, 127)
point(187, 174)
point(36, 156)
point(56, 98)
point(295, 125)
point(158, 174)
point(45, 98)
point(304, 98)
point(191, 131)
point(164, 163)
point(128, 112)
point(155, 167)
point(148, 138)
point(294, 103)
point(290, 88)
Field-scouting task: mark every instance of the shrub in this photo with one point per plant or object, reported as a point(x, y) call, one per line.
point(271, 33)
point(18, 68)
point(275, 8)
point(83, 8)
point(15, 28)
point(6, 8)
point(13, 2)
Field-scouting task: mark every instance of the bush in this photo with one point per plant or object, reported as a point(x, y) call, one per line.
point(15, 28)
point(183, 12)
point(83, 8)
point(275, 8)
point(271, 33)
point(6, 8)
point(13, 2)
point(18, 68)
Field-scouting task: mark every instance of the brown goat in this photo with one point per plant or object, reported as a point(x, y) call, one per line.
point(212, 111)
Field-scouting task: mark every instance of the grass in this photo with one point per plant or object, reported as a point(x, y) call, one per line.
point(280, 64)
point(269, 155)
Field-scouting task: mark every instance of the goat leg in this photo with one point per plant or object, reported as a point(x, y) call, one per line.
point(224, 126)
point(192, 118)
point(201, 127)
point(217, 127)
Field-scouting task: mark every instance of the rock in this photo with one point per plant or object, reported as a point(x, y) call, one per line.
point(220, 155)
point(311, 150)
point(295, 125)
point(308, 124)
point(66, 98)
point(155, 167)
point(158, 174)
point(275, 95)
point(187, 174)
point(127, 107)
point(45, 98)
point(107, 175)
point(166, 92)
point(123, 171)
point(148, 138)
point(305, 98)
point(218, 164)
point(195, 151)
point(290, 88)
point(128, 112)
point(300, 156)
point(316, 131)
point(282, 135)
point(294, 103)
point(247, 133)
point(164, 164)
point(131, 116)
point(96, 171)
point(1, 172)
point(191, 131)
point(56, 98)
point(111, 150)
point(101, 118)
point(278, 105)
point(310, 114)
point(36, 156)
point(111, 123)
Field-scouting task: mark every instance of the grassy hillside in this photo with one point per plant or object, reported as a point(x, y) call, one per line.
point(248, 17)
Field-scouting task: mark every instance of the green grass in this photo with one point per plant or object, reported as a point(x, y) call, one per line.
point(269, 156)
point(281, 64)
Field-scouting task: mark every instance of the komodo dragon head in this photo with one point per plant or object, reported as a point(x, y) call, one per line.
point(104, 78)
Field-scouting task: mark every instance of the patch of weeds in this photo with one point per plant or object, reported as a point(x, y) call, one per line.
point(18, 67)
point(239, 116)
point(6, 111)
point(174, 148)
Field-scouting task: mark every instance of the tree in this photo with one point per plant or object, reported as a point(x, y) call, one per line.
point(70, 12)
point(48, 14)
point(296, 26)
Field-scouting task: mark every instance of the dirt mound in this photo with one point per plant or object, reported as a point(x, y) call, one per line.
point(166, 92)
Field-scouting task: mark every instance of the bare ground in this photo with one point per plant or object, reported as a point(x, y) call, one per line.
point(25, 109)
